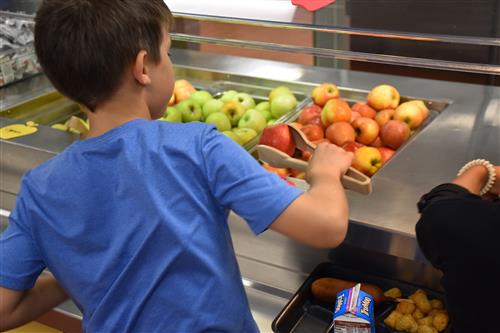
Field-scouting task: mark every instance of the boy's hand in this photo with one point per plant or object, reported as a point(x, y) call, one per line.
point(329, 162)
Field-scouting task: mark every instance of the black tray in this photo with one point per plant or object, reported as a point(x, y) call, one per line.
point(306, 314)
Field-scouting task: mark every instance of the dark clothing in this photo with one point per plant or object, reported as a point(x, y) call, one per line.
point(458, 233)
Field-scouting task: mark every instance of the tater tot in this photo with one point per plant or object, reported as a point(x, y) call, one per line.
point(419, 291)
point(426, 329)
point(440, 321)
point(394, 293)
point(422, 303)
point(436, 304)
point(426, 321)
point(405, 307)
point(417, 314)
point(407, 324)
point(392, 318)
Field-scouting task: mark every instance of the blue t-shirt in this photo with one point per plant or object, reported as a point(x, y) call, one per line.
point(133, 224)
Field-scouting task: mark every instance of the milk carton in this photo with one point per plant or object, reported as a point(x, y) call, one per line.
point(353, 312)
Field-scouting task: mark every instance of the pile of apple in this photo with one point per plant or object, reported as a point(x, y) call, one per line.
point(235, 114)
point(372, 130)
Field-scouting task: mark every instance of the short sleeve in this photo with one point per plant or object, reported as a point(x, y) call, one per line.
point(20, 261)
point(238, 182)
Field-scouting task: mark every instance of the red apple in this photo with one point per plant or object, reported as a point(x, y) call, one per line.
point(316, 121)
point(394, 133)
point(364, 110)
point(183, 90)
point(352, 146)
point(171, 101)
point(376, 143)
point(297, 174)
point(339, 133)
point(325, 92)
point(354, 115)
point(367, 160)
point(410, 113)
point(383, 116)
point(386, 153)
point(279, 137)
point(313, 132)
point(306, 156)
point(366, 130)
point(422, 106)
point(383, 97)
point(334, 111)
point(308, 113)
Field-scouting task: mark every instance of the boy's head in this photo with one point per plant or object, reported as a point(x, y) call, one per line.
point(86, 46)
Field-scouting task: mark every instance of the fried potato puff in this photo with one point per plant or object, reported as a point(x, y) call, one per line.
point(426, 329)
point(394, 293)
point(407, 324)
point(436, 304)
point(405, 307)
point(417, 314)
point(392, 318)
point(426, 321)
point(440, 321)
point(422, 303)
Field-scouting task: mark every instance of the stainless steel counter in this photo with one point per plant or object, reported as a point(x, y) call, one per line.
point(381, 237)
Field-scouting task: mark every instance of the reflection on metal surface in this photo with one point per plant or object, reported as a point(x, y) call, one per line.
point(345, 30)
point(284, 74)
point(4, 213)
point(345, 55)
point(266, 288)
point(492, 114)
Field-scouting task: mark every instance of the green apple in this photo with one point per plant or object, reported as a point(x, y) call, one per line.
point(172, 115)
point(263, 106)
point(234, 111)
point(220, 121)
point(266, 113)
point(212, 106)
point(200, 97)
point(245, 134)
point(190, 110)
point(281, 104)
point(279, 91)
point(233, 136)
point(245, 100)
point(228, 95)
point(271, 122)
point(253, 119)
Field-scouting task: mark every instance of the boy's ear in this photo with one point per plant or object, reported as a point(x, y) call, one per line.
point(140, 70)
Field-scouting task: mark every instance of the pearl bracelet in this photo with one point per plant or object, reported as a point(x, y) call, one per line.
point(491, 173)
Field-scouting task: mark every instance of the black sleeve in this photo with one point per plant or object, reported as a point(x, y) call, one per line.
point(453, 220)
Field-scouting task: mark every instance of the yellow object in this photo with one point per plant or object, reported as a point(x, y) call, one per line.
point(34, 327)
point(18, 130)
point(60, 127)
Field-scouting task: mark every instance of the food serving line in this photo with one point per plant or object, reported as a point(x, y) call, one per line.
point(381, 236)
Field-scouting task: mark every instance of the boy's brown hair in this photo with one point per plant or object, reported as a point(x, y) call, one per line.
point(84, 46)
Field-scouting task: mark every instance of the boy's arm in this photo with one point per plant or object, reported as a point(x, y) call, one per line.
point(20, 307)
point(320, 216)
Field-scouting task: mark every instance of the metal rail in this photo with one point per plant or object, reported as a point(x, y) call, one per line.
point(345, 55)
point(346, 30)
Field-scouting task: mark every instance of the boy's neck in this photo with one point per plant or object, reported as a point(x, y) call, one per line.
point(120, 109)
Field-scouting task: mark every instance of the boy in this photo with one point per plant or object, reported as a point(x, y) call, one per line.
point(132, 221)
